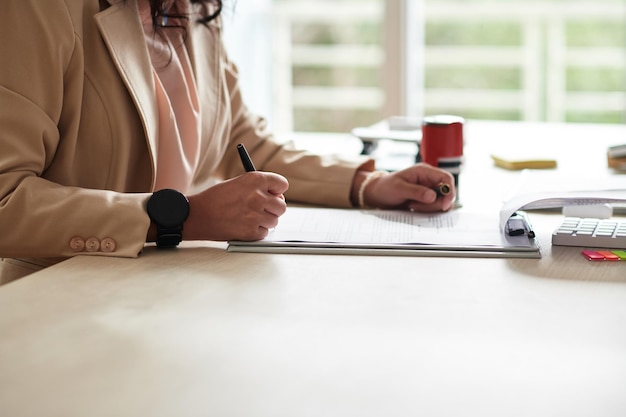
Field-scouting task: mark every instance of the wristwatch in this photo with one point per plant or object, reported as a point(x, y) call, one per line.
point(168, 209)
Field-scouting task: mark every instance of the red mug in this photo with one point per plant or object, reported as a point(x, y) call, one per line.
point(442, 143)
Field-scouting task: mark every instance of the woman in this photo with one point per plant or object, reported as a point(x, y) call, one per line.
point(104, 102)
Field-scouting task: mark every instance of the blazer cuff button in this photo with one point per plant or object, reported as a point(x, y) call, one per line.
point(108, 245)
point(77, 244)
point(92, 244)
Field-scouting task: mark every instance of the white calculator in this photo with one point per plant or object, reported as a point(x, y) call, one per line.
point(589, 232)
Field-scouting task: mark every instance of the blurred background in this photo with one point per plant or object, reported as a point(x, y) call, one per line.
point(329, 66)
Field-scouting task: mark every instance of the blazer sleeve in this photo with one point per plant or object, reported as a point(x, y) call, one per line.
point(315, 179)
point(40, 96)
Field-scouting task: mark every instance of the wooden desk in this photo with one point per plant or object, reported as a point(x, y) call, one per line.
point(199, 331)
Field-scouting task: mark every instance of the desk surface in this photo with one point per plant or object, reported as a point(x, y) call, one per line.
point(199, 331)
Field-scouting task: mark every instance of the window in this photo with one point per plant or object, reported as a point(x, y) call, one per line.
point(555, 60)
point(332, 65)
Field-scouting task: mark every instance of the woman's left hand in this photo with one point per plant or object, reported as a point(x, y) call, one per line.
point(411, 188)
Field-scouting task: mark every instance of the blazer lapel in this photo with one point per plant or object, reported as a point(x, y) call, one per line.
point(121, 29)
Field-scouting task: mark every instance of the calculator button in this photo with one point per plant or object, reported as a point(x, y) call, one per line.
point(604, 233)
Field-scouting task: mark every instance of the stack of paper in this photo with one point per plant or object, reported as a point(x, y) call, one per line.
point(390, 232)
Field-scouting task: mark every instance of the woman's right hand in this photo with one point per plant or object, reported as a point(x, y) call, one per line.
point(241, 208)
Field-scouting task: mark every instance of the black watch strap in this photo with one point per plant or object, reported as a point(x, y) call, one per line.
point(168, 238)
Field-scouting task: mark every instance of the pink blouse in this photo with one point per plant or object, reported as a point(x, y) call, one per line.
point(177, 99)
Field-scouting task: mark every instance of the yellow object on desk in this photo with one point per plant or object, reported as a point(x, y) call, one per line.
point(616, 157)
point(617, 163)
point(521, 162)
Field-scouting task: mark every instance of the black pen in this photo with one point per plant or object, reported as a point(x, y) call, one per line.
point(245, 158)
point(527, 226)
point(518, 224)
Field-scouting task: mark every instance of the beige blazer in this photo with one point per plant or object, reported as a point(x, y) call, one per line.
point(78, 123)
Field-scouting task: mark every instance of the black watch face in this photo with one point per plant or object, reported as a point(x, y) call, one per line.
point(168, 208)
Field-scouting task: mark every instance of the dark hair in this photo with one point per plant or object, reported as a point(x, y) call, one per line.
point(164, 10)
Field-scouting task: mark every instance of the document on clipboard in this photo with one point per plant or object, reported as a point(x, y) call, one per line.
point(390, 232)
point(540, 192)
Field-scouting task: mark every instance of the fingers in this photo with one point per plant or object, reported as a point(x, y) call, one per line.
point(265, 204)
point(429, 198)
point(276, 184)
point(430, 201)
point(414, 188)
point(241, 208)
point(427, 175)
point(253, 224)
point(438, 205)
point(268, 192)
